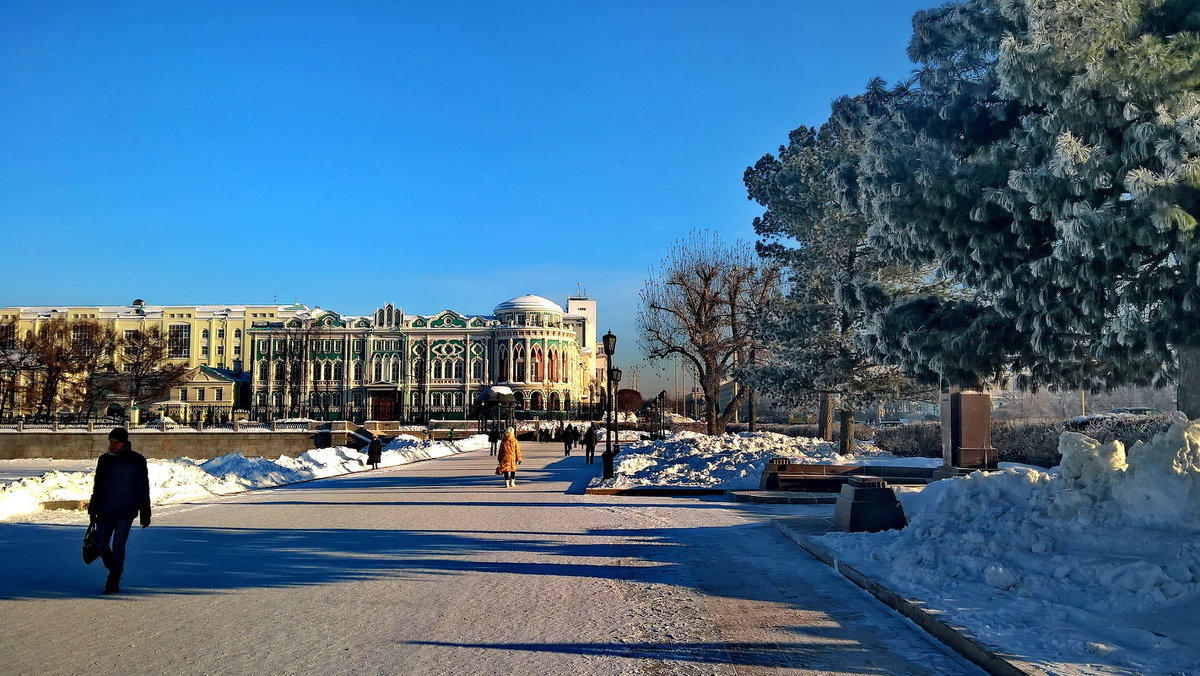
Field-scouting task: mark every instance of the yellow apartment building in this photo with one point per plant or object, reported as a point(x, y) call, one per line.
point(211, 336)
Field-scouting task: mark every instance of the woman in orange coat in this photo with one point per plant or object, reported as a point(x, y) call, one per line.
point(509, 457)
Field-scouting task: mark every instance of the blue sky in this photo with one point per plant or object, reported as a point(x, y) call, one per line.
point(437, 155)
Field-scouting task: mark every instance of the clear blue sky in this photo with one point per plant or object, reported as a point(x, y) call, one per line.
point(437, 155)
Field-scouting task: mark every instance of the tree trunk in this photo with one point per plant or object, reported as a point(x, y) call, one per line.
point(846, 443)
point(825, 418)
point(1187, 394)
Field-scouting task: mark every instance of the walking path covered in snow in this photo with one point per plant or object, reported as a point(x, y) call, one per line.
point(434, 568)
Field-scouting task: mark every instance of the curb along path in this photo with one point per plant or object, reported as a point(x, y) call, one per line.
point(955, 638)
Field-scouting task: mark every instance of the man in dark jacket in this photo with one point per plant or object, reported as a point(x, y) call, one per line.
point(590, 440)
point(120, 492)
point(374, 451)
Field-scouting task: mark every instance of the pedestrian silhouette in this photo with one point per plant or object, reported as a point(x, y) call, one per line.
point(120, 492)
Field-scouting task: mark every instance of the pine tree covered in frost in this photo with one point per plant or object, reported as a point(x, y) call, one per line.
point(1048, 160)
point(813, 227)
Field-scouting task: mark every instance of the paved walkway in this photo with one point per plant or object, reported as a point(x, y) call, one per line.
point(435, 568)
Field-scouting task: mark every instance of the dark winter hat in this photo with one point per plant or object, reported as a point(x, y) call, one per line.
point(120, 434)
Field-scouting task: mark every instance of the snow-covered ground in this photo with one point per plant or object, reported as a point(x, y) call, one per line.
point(185, 479)
point(732, 461)
point(1096, 562)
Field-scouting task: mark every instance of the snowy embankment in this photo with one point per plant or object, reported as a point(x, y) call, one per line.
point(1096, 562)
point(732, 461)
point(185, 479)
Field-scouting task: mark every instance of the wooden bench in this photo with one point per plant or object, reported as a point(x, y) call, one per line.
point(782, 475)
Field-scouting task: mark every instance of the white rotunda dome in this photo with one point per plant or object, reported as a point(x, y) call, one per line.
point(528, 303)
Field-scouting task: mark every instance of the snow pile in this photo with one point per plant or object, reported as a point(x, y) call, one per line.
point(730, 461)
point(185, 479)
point(1099, 545)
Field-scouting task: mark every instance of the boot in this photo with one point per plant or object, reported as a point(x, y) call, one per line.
point(112, 585)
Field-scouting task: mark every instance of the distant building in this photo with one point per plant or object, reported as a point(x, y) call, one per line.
point(279, 361)
point(394, 366)
point(212, 336)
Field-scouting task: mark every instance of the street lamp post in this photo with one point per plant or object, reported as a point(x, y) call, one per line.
point(610, 347)
point(612, 448)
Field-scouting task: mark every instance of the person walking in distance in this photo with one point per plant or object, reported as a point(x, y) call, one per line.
point(374, 451)
point(567, 440)
point(494, 438)
point(120, 492)
point(509, 457)
point(589, 444)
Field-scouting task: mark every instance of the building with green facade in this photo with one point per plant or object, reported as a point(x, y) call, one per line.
point(394, 366)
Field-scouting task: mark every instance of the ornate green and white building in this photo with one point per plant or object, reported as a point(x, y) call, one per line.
point(394, 366)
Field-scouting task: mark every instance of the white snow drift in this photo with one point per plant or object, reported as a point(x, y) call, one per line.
point(731, 461)
point(1095, 562)
point(186, 479)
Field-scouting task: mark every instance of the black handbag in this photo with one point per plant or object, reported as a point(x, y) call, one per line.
point(91, 548)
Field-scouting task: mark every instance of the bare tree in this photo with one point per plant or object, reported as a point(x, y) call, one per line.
point(292, 353)
point(16, 364)
point(97, 371)
point(67, 357)
point(700, 304)
point(145, 371)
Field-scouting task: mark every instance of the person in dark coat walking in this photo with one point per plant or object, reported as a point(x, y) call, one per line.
point(567, 439)
point(589, 444)
point(120, 492)
point(494, 438)
point(374, 451)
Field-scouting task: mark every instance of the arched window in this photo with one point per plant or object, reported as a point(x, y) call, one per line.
point(261, 399)
point(378, 370)
point(535, 364)
point(418, 369)
point(519, 363)
point(337, 371)
point(204, 334)
point(458, 399)
point(535, 401)
point(502, 375)
point(437, 368)
point(264, 372)
point(328, 371)
point(237, 333)
point(552, 376)
point(554, 401)
point(435, 399)
point(519, 400)
point(458, 369)
point(358, 370)
point(396, 371)
point(477, 369)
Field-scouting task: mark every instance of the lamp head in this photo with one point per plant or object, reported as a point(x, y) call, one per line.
point(616, 375)
point(610, 344)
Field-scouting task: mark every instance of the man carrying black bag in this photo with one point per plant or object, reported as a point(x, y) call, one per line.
point(120, 492)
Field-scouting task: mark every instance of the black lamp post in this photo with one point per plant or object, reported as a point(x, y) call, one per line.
point(610, 346)
point(612, 447)
point(661, 410)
